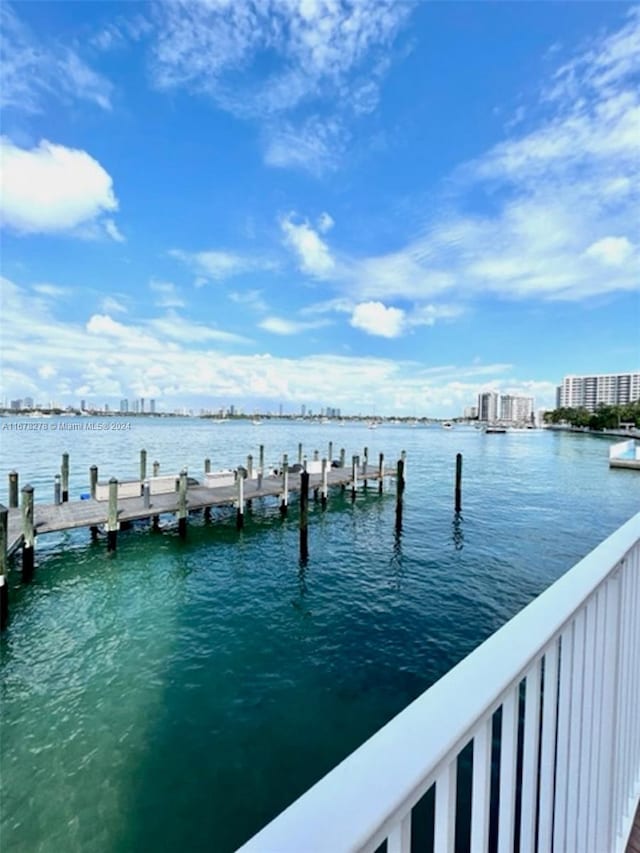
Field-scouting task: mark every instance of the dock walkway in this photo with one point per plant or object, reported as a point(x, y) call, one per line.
point(50, 518)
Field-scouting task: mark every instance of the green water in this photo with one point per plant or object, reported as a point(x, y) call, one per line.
point(177, 695)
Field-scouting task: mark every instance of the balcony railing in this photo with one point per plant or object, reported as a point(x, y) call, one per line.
point(551, 706)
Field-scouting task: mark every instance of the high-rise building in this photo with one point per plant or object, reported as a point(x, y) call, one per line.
point(83, 405)
point(141, 405)
point(488, 406)
point(152, 406)
point(516, 410)
point(124, 406)
point(471, 412)
point(589, 392)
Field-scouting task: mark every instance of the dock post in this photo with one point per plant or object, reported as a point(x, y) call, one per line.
point(57, 492)
point(458, 492)
point(143, 465)
point(240, 508)
point(146, 494)
point(365, 462)
point(250, 467)
point(403, 456)
point(316, 455)
point(156, 468)
point(260, 465)
point(64, 470)
point(28, 532)
point(325, 486)
point(182, 504)
point(4, 587)
point(330, 453)
point(300, 453)
point(112, 516)
point(304, 516)
point(380, 473)
point(93, 481)
point(13, 489)
point(284, 505)
point(399, 493)
point(342, 457)
point(354, 477)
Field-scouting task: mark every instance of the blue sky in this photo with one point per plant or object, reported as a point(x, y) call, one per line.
point(372, 205)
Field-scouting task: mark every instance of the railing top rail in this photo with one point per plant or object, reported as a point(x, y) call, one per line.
point(345, 809)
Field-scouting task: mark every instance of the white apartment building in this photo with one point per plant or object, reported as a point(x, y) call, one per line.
point(506, 408)
point(488, 406)
point(588, 392)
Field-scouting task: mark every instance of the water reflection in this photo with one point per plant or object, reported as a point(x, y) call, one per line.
point(457, 534)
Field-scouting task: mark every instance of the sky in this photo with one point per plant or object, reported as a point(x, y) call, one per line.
point(385, 207)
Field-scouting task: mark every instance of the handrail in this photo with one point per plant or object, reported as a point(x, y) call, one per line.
point(356, 804)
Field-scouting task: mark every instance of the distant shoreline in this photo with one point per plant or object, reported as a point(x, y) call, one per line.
point(606, 433)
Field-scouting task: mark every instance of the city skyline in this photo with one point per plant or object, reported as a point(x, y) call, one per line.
point(376, 206)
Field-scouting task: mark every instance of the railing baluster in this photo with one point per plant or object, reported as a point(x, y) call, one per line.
point(508, 756)
point(597, 734)
point(481, 787)
point(606, 774)
point(585, 727)
point(575, 730)
point(565, 707)
point(548, 746)
point(530, 759)
point(445, 818)
point(625, 698)
point(399, 840)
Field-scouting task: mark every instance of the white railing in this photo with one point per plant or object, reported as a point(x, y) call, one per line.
point(565, 674)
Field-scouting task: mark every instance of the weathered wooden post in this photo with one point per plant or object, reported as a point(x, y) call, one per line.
point(365, 462)
point(458, 491)
point(28, 533)
point(250, 467)
point(342, 457)
point(146, 494)
point(325, 485)
point(316, 455)
point(64, 470)
point(156, 468)
point(240, 509)
point(13, 489)
point(330, 453)
point(93, 481)
point(399, 493)
point(182, 504)
point(304, 463)
point(380, 473)
point(112, 516)
point(354, 477)
point(57, 490)
point(260, 466)
point(300, 453)
point(403, 456)
point(4, 586)
point(304, 516)
point(284, 504)
point(143, 465)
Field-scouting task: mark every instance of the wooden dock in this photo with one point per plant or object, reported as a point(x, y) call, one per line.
point(50, 518)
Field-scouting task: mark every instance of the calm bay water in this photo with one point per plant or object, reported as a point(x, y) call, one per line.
point(175, 696)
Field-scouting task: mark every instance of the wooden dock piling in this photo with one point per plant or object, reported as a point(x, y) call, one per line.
point(304, 516)
point(300, 454)
point(182, 503)
point(330, 453)
point(4, 586)
point(13, 489)
point(28, 533)
point(458, 488)
point(146, 494)
point(365, 463)
point(250, 467)
point(324, 492)
point(240, 507)
point(143, 465)
point(354, 477)
point(284, 504)
point(380, 473)
point(399, 491)
point(64, 471)
point(93, 481)
point(112, 516)
point(57, 490)
point(156, 468)
point(342, 457)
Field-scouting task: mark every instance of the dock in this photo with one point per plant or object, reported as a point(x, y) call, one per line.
point(625, 454)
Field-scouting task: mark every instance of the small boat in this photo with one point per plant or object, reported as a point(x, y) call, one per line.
point(373, 425)
point(256, 422)
point(495, 429)
point(447, 425)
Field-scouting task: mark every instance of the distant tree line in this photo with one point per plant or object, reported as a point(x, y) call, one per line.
point(605, 417)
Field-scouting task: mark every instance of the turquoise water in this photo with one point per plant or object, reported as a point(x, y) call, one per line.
point(177, 695)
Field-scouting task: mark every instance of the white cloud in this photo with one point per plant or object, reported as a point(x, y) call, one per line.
point(52, 189)
point(33, 70)
point(217, 265)
point(111, 305)
point(374, 318)
point(113, 231)
point(253, 299)
point(178, 328)
point(315, 145)
point(611, 251)
point(313, 253)
point(168, 294)
point(53, 290)
point(282, 326)
point(325, 223)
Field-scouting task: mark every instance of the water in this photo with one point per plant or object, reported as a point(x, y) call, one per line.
point(178, 695)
